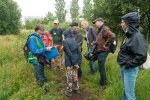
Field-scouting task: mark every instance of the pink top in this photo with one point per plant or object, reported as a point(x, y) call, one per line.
point(47, 39)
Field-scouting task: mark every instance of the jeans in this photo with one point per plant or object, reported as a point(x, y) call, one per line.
point(101, 64)
point(39, 73)
point(129, 77)
point(91, 62)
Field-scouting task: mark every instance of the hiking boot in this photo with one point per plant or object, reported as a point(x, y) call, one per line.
point(45, 90)
point(77, 92)
point(102, 88)
point(69, 94)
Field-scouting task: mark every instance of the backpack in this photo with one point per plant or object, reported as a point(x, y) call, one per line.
point(113, 45)
point(42, 59)
point(26, 48)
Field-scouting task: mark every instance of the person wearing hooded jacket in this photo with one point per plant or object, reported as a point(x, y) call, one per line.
point(72, 61)
point(37, 50)
point(132, 54)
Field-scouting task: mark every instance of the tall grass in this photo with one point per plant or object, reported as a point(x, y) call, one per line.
point(17, 80)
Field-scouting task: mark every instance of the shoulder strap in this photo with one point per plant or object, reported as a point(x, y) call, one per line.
point(39, 43)
point(101, 31)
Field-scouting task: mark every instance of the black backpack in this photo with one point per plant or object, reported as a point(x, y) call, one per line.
point(113, 45)
point(26, 48)
point(42, 59)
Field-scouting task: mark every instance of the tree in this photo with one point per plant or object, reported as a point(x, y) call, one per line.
point(49, 17)
point(112, 11)
point(10, 15)
point(74, 10)
point(60, 10)
point(87, 9)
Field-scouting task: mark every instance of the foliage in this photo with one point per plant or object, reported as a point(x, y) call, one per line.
point(30, 24)
point(88, 9)
point(112, 11)
point(49, 17)
point(60, 10)
point(9, 17)
point(74, 10)
point(18, 81)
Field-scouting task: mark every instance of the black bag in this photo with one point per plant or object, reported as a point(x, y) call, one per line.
point(91, 55)
point(42, 59)
point(26, 48)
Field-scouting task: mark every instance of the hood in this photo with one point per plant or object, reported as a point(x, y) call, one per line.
point(36, 34)
point(132, 20)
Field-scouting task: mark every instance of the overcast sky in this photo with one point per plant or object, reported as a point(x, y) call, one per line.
point(39, 7)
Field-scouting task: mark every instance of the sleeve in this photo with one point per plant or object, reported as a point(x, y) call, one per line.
point(67, 49)
point(51, 31)
point(79, 39)
point(138, 48)
point(33, 47)
point(93, 34)
point(111, 37)
point(61, 31)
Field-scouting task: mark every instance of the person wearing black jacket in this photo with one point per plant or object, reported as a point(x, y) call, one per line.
point(78, 38)
point(132, 54)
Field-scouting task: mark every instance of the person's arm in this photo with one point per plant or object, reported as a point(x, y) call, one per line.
point(51, 31)
point(94, 34)
point(138, 48)
point(110, 38)
point(67, 49)
point(33, 46)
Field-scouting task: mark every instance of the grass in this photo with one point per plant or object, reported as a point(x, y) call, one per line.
point(17, 80)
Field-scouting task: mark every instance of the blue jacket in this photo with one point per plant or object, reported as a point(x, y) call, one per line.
point(33, 45)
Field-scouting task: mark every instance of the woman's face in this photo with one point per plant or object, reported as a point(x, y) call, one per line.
point(123, 25)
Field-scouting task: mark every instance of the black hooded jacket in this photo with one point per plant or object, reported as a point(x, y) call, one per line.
point(133, 51)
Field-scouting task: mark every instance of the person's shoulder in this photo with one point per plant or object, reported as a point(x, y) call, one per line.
point(67, 31)
point(51, 30)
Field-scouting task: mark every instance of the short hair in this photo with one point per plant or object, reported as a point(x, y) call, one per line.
point(39, 27)
point(85, 22)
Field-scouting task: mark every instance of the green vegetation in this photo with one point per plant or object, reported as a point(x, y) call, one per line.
point(17, 81)
point(10, 16)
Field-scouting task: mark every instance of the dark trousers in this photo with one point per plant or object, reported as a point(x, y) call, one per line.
point(80, 71)
point(39, 73)
point(101, 65)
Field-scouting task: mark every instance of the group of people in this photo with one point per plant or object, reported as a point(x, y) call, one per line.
point(132, 54)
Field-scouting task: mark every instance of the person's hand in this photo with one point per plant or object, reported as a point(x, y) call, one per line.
point(106, 48)
point(77, 66)
point(93, 43)
point(48, 48)
point(62, 47)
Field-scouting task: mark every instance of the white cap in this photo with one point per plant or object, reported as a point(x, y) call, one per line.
point(56, 21)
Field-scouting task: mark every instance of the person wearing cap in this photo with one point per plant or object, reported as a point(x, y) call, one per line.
point(104, 38)
point(78, 38)
point(90, 38)
point(132, 54)
point(57, 33)
point(72, 61)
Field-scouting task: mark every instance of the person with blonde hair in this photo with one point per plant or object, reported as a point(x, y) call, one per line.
point(90, 38)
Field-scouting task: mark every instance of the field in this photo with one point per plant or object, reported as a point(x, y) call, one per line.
point(17, 81)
